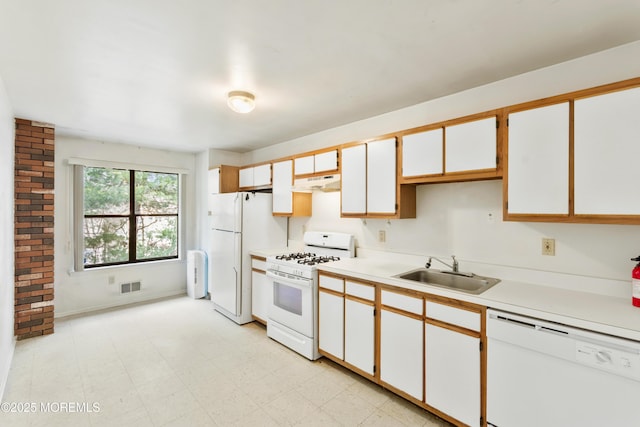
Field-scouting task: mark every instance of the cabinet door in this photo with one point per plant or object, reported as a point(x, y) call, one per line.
point(359, 335)
point(381, 176)
point(213, 186)
point(326, 161)
point(213, 183)
point(354, 180)
point(607, 149)
point(282, 180)
point(452, 373)
point(304, 165)
point(401, 352)
point(538, 165)
point(246, 177)
point(261, 294)
point(331, 324)
point(422, 153)
point(471, 146)
point(262, 175)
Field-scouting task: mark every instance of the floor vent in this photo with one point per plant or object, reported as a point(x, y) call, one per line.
point(126, 288)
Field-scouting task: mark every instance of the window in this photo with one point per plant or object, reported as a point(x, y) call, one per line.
point(129, 216)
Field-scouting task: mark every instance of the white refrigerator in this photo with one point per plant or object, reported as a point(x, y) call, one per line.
point(239, 223)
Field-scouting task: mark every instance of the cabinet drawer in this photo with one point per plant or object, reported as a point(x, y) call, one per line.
point(259, 264)
point(360, 290)
point(455, 316)
point(402, 302)
point(333, 283)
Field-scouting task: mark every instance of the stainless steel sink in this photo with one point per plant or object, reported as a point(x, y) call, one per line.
point(471, 284)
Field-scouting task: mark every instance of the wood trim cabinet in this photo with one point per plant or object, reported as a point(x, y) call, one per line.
point(261, 290)
point(425, 348)
point(223, 179)
point(571, 158)
point(464, 149)
point(455, 363)
point(286, 202)
point(402, 343)
point(370, 187)
point(255, 177)
point(538, 171)
point(317, 163)
point(346, 327)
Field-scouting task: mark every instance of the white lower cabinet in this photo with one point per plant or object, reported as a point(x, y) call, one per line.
point(401, 352)
point(359, 335)
point(331, 324)
point(423, 347)
point(261, 294)
point(452, 373)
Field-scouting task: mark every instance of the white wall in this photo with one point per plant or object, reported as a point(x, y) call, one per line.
point(7, 341)
point(604, 67)
point(77, 292)
point(453, 218)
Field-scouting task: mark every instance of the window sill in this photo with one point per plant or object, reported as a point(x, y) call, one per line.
point(111, 268)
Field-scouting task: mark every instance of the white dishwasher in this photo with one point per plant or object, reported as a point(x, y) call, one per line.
point(541, 373)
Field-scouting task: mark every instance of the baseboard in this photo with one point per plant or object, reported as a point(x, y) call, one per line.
point(120, 304)
point(4, 370)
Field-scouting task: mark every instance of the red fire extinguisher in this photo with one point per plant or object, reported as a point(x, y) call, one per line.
point(635, 283)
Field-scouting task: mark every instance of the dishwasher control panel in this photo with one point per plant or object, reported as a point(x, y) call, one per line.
point(614, 360)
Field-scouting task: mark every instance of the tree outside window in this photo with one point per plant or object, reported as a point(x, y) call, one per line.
point(129, 216)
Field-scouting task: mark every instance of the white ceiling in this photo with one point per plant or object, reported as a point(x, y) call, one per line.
point(156, 72)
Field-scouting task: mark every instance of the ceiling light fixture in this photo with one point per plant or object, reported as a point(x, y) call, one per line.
point(241, 101)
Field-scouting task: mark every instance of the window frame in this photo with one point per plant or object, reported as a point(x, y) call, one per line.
point(132, 217)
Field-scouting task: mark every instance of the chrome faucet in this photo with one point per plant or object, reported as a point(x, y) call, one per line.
point(453, 267)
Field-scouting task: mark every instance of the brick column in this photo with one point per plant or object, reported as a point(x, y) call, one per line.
point(34, 168)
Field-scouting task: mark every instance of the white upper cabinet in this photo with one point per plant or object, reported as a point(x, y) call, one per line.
point(213, 182)
point(246, 177)
point(316, 163)
point(606, 153)
point(328, 161)
point(471, 146)
point(354, 179)
point(369, 178)
point(262, 175)
point(422, 153)
point(304, 165)
point(381, 176)
point(256, 176)
point(282, 196)
point(538, 162)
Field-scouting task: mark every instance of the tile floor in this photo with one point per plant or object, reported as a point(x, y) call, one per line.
point(176, 362)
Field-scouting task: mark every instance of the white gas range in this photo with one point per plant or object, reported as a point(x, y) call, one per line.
point(293, 312)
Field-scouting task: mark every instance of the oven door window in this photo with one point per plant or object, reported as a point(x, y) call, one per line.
point(287, 298)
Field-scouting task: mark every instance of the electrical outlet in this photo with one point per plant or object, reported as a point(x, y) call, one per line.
point(382, 236)
point(112, 280)
point(548, 246)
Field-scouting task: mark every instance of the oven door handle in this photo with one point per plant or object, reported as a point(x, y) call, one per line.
point(299, 283)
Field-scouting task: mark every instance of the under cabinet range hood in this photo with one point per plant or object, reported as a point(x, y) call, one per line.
point(319, 183)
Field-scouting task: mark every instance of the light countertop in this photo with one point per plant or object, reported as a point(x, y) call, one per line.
point(601, 313)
